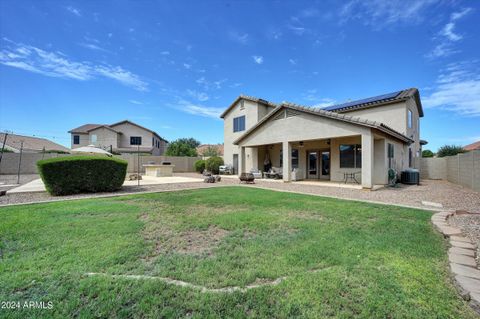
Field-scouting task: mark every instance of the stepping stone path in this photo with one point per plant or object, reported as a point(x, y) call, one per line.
point(461, 256)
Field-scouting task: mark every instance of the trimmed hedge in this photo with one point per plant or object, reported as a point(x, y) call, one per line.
point(213, 164)
point(199, 166)
point(82, 174)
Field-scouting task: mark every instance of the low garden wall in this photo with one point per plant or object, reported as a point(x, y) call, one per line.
point(9, 163)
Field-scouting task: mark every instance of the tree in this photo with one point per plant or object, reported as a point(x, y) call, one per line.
point(210, 151)
point(427, 153)
point(450, 150)
point(183, 147)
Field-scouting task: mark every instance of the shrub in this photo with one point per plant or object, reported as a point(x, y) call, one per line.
point(82, 174)
point(427, 153)
point(213, 164)
point(199, 166)
point(449, 150)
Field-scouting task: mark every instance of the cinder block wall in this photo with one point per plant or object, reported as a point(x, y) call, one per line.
point(462, 169)
point(9, 163)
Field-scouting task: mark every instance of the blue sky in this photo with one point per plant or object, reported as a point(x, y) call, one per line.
point(173, 66)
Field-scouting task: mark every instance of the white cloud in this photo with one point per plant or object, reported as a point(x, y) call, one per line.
point(197, 109)
point(57, 64)
point(326, 102)
point(208, 85)
point(457, 89)
point(292, 61)
point(236, 85)
point(258, 59)
point(187, 66)
point(92, 46)
point(298, 30)
point(448, 36)
point(379, 13)
point(200, 96)
point(241, 38)
point(74, 11)
point(165, 53)
point(135, 102)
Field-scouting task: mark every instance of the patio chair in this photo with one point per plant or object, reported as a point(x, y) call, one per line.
point(225, 169)
point(256, 173)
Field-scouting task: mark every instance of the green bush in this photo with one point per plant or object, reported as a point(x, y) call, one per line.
point(427, 153)
point(82, 174)
point(199, 166)
point(213, 164)
point(450, 150)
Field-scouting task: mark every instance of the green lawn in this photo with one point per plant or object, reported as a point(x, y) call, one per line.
point(342, 259)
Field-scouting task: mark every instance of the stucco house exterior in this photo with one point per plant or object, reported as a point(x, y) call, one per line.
point(364, 137)
point(121, 137)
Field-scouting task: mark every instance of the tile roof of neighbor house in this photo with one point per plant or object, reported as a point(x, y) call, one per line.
point(137, 125)
point(30, 143)
point(249, 98)
point(332, 115)
point(84, 129)
point(472, 147)
point(202, 148)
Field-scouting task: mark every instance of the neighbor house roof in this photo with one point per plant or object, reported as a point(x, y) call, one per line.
point(331, 115)
point(30, 143)
point(248, 98)
point(379, 100)
point(85, 129)
point(472, 147)
point(142, 127)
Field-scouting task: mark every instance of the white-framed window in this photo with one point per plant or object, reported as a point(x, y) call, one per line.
point(410, 119)
point(93, 139)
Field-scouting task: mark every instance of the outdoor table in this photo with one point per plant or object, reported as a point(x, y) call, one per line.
point(351, 176)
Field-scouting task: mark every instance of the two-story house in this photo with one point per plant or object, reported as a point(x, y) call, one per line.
point(361, 138)
point(121, 137)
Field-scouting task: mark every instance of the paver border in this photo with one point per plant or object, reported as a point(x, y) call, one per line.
point(461, 258)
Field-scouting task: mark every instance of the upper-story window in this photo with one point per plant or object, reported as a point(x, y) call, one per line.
point(410, 119)
point(153, 141)
point(239, 124)
point(135, 140)
point(93, 138)
point(76, 139)
point(242, 105)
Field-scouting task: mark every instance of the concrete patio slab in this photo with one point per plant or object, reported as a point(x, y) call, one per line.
point(38, 186)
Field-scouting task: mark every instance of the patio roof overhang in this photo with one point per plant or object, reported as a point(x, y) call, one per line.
point(329, 115)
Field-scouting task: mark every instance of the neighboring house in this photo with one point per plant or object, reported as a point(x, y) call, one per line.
point(201, 149)
point(472, 147)
point(121, 137)
point(31, 144)
point(366, 137)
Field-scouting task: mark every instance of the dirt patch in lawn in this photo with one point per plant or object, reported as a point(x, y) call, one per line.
point(167, 240)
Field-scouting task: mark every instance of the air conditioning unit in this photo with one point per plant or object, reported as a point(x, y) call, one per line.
point(410, 176)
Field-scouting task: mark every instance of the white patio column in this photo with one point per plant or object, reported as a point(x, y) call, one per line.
point(367, 159)
point(287, 160)
point(241, 161)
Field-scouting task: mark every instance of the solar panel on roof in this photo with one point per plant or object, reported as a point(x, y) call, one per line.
point(364, 101)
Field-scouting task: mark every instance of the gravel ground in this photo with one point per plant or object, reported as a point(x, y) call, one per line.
point(451, 196)
point(470, 226)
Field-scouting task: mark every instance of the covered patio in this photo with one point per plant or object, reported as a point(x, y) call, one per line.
point(307, 146)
